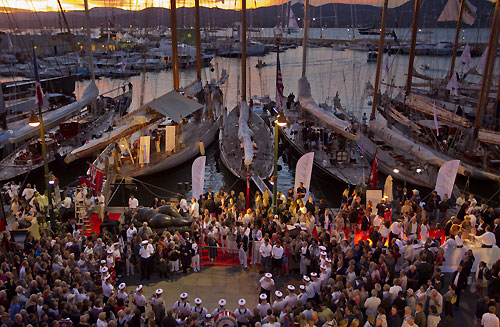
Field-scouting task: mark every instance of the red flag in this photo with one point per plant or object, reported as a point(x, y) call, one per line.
point(247, 200)
point(279, 83)
point(373, 179)
point(96, 178)
point(38, 86)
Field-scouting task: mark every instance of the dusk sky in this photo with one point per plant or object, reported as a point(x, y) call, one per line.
point(51, 5)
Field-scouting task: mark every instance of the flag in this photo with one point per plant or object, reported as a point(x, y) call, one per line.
point(96, 178)
point(279, 83)
point(452, 85)
point(38, 86)
point(446, 177)
point(9, 42)
point(452, 8)
point(247, 197)
point(198, 177)
point(303, 172)
point(465, 59)
point(435, 118)
point(373, 178)
point(395, 37)
point(482, 61)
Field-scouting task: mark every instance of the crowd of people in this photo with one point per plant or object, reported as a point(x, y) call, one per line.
point(365, 265)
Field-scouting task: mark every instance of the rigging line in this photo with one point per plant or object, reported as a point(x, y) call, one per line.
point(154, 186)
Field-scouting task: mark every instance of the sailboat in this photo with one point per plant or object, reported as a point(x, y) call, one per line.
point(245, 141)
point(332, 139)
point(66, 127)
point(448, 125)
point(163, 133)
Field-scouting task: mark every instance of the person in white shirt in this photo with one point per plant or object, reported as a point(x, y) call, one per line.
point(100, 205)
point(28, 192)
point(139, 299)
point(256, 243)
point(197, 308)
point(277, 253)
point(488, 239)
point(266, 284)
point(490, 319)
point(146, 253)
point(396, 231)
point(460, 201)
point(242, 314)
point(122, 293)
point(194, 209)
point(291, 298)
point(133, 203)
point(279, 303)
point(372, 304)
point(221, 308)
point(131, 231)
point(449, 243)
point(263, 306)
point(265, 254)
point(182, 306)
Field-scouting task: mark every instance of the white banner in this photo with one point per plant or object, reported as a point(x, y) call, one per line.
point(198, 176)
point(144, 149)
point(446, 177)
point(303, 172)
point(169, 138)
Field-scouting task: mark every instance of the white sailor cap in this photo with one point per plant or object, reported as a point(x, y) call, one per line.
point(302, 287)
point(208, 316)
point(197, 300)
point(313, 274)
point(322, 248)
point(222, 302)
point(116, 244)
point(291, 288)
point(104, 270)
point(323, 267)
point(145, 242)
point(109, 252)
point(139, 288)
point(183, 295)
point(323, 253)
point(103, 262)
point(306, 278)
point(122, 286)
point(159, 291)
point(106, 277)
point(242, 301)
point(278, 294)
point(263, 296)
point(328, 260)
point(268, 275)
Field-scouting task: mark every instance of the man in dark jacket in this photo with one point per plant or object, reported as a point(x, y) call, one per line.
point(460, 281)
point(185, 254)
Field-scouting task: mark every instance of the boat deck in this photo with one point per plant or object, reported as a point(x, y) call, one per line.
point(194, 132)
point(232, 151)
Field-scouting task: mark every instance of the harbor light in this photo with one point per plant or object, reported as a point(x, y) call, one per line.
point(419, 170)
point(33, 120)
point(281, 120)
point(396, 171)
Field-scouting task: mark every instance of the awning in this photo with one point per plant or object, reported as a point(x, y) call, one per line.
point(173, 104)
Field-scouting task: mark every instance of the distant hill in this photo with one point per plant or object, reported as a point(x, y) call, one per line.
point(329, 15)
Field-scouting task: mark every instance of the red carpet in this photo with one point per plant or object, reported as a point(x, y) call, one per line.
point(95, 223)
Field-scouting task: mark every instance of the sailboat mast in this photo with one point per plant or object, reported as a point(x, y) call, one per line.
point(380, 55)
point(89, 41)
point(197, 38)
point(457, 34)
point(305, 38)
point(414, 32)
point(173, 30)
point(483, 96)
point(243, 50)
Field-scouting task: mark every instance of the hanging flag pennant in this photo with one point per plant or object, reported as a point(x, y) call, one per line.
point(279, 83)
point(373, 178)
point(465, 59)
point(446, 177)
point(482, 61)
point(198, 177)
point(303, 171)
point(38, 86)
point(452, 8)
point(435, 118)
point(452, 85)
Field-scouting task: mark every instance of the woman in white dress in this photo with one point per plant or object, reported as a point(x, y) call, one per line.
point(424, 230)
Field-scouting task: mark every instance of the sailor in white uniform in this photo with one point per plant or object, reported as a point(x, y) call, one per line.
point(279, 304)
point(302, 297)
point(316, 282)
point(158, 305)
point(197, 308)
point(122, 293)
point(263, 306)
point(323, 275)
point(242, 314)
point(139, 299)
point(221, 308)
point(291, 298)
point(182, 306)
point(309, 287)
